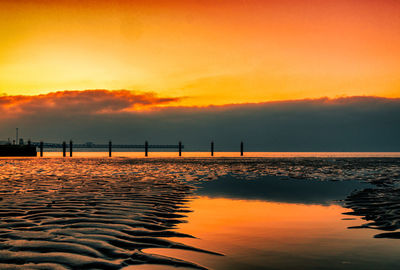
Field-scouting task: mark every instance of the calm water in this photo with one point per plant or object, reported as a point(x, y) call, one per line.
point(196, 213)
point(276, 226)
point(102, 153)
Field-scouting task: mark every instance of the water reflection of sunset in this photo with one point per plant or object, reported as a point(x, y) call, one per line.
point(263, 235)
point(190, 154)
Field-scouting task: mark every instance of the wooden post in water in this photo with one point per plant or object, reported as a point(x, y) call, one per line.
point(180, 148)
point(41, 149)
point(241, 149)
point(212, 149)
point(146, 148)
point(64, 145)
point(109, 148)
point(70, 148)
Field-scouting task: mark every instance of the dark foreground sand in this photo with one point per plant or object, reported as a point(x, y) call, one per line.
point(87, 215)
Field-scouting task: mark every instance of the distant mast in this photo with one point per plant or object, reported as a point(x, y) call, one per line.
point(16, 136)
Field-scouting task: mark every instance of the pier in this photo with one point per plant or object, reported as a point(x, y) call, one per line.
point(110, 146)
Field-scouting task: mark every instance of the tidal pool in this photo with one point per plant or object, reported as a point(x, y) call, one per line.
point(276, 228)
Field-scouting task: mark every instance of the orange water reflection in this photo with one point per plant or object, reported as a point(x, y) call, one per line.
point(225, 154)
point(265, 235)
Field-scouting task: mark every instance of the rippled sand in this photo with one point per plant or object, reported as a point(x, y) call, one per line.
point(379, 207)
point(102, 213)
point(87, 214)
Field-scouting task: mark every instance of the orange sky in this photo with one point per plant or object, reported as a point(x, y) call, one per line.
point(211, 52)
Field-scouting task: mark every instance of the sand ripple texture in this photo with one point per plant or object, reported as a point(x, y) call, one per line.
point(88, 214)
point(380, 207)
point(84, 213)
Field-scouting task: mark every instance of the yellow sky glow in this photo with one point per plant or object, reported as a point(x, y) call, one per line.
point(229, 52)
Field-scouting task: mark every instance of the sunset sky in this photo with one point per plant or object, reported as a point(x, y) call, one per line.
point(202, 52)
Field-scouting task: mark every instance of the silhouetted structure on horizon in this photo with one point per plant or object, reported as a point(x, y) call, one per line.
point(110, 146)
point(13, 150)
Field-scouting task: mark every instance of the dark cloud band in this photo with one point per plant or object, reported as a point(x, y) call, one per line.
point(344, 124)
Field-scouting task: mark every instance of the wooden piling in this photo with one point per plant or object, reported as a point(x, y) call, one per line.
point(212, 149)
point(64, 145)
point(41, 149)
point(180, 148)
point(70, 148)
point(146, 148)
point(109, 148)
point(241, 149)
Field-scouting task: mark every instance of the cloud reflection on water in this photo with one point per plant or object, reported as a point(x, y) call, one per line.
point(273, 188)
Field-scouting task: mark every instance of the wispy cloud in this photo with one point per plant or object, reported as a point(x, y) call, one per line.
point(85, 102)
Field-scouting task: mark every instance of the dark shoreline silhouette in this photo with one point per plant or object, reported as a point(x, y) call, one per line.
point(10, 150)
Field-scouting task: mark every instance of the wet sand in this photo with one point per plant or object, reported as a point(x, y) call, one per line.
point(83, 214)
point(95, 213)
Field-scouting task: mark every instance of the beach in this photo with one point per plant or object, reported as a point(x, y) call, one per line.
point(199, 213)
